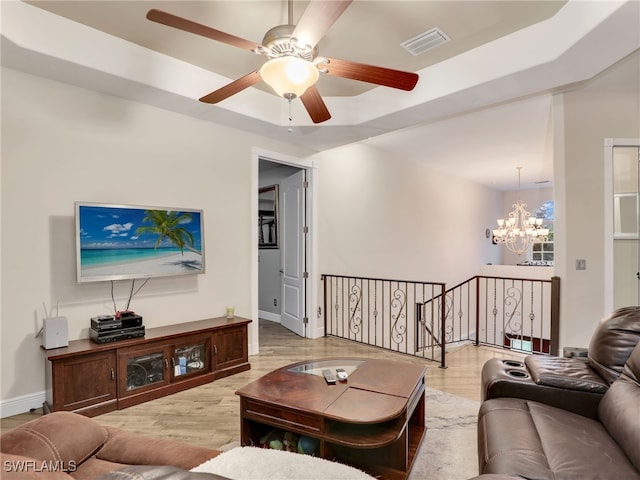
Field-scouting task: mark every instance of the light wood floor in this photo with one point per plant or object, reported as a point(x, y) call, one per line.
point(209, 415)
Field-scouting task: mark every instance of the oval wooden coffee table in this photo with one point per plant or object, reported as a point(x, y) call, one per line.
point(374, 420)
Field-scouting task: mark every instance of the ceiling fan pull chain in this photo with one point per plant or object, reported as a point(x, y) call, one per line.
point(290, 118)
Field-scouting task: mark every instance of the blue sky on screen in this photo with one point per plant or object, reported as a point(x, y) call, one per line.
point(113, 227)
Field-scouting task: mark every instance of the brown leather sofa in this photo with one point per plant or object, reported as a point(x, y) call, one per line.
point(67, 446)
point(556, 424)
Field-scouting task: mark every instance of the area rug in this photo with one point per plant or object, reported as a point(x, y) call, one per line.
point(448, 451)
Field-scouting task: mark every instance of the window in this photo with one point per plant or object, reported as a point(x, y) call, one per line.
point(544, 251)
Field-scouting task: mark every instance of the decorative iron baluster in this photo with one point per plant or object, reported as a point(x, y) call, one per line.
point(459, 316)
point(375, 312)
point(337, 306)
point(512, 302)
point(532, 317)
point(495, 308)
point(449, 317)
point(355, 320)
point(398, 304)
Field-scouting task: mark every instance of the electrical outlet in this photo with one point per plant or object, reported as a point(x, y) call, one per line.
point(275, 302)
point(581, 264)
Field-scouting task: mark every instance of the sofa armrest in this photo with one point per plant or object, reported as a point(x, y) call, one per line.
point(63, 438)
point(568, 373)
point(512, 379)
point(130, 448)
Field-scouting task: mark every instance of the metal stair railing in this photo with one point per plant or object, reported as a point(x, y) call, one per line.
point(423, 318)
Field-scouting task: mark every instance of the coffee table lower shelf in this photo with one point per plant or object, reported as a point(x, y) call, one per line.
point(385, 450)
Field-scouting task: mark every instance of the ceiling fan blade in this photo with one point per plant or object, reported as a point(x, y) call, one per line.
point(317, 19)
point(315, 106)
point(368, 73)
point(232, 88)
point(180, 23)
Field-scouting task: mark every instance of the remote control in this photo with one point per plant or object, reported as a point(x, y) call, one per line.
point(341, 374)
point(328, 376)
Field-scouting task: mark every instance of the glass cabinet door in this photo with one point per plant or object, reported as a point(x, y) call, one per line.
point(143, 369)
point(192, 357)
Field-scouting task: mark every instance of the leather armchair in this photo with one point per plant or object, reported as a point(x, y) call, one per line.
point(569, 383)
point(537, 427)
point(534, 440)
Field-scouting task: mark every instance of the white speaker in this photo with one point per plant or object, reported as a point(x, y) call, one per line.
point(55, 333)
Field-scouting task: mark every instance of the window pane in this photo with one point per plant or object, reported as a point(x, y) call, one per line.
point(625, 214)
point(625, 169)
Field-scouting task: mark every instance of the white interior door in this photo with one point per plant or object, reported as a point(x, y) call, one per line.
point(292, 215)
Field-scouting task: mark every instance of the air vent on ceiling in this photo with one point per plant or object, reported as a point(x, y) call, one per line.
point(425, 41)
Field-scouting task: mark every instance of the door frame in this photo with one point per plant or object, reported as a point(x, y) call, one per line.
point(609, 144)
point(313, 330)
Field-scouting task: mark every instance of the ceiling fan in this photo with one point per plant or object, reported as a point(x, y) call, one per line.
point(294, 65)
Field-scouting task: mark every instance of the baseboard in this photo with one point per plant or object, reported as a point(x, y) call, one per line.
point(23, 404)
point(254, 348)
point(274, 317)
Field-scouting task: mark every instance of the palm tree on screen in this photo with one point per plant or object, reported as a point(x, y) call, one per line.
point(168, 225)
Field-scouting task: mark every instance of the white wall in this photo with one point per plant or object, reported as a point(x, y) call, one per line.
point(61, 144)
point(400, 219)
point(582, 121)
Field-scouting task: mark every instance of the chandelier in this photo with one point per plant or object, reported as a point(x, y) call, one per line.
point(520, 230)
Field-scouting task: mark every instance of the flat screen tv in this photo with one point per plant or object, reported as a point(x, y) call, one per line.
point(117, 242)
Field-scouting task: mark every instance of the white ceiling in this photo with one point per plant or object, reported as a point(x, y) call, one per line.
point(368, 31)
point(481, 108)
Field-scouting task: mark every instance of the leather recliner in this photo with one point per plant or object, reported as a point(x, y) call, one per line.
point(537, 438)
point(569, 383)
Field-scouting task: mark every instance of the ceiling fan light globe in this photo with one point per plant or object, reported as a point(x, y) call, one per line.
point(289, 76)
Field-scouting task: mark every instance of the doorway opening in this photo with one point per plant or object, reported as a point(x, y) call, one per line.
point(283, 279)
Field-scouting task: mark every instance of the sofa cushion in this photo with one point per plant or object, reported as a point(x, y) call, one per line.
point(47, 438)
point(620, 406)
point(612, 342)
point(534, 440)
point(158, 472)
point(129, 448)
point(508, 441)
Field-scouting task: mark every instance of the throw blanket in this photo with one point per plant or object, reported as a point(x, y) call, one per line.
point(252, 463)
